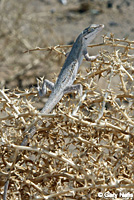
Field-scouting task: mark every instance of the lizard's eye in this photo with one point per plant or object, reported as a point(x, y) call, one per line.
point(92, 29)
point(88, 30)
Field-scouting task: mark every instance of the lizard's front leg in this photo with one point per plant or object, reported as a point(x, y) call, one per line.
point(89, 58)
point(43, 89)
point(72, 88)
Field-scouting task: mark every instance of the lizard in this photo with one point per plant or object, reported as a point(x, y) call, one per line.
point(67, 76)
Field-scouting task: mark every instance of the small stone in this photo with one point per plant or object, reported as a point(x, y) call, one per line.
point(109, 4)
point(113, 24)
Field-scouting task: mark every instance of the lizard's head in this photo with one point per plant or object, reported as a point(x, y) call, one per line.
point(90, 33)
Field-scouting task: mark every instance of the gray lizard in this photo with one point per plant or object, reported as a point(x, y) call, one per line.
point(64, 83)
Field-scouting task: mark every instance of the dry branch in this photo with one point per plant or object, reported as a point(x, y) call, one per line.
point(84, 147)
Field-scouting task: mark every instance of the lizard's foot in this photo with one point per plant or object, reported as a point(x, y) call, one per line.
point(42, 86)
point(79, 89)
point(91, 58)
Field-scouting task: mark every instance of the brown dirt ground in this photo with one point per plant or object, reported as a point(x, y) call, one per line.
point(27, 24)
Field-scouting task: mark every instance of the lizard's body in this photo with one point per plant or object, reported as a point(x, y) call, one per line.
point(69, 70)
point(64, 83)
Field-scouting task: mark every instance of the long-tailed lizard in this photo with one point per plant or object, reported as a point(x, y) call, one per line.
point(64, 83)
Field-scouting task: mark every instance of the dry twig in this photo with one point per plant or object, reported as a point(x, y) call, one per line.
point(78, 154)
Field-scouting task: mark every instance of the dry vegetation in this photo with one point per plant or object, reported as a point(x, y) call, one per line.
point(84, 147)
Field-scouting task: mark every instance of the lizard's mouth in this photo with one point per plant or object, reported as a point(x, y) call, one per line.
point(94, 27)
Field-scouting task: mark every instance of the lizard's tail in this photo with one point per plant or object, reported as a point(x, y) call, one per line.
point(31, 132)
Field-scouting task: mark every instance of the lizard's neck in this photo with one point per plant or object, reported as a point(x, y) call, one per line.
point(77, 50)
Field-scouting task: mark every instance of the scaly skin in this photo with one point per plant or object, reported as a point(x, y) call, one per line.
point(64, 83)
point(71, 66)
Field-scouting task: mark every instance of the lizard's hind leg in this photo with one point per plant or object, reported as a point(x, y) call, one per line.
point(72, 88)
point(45, 84)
